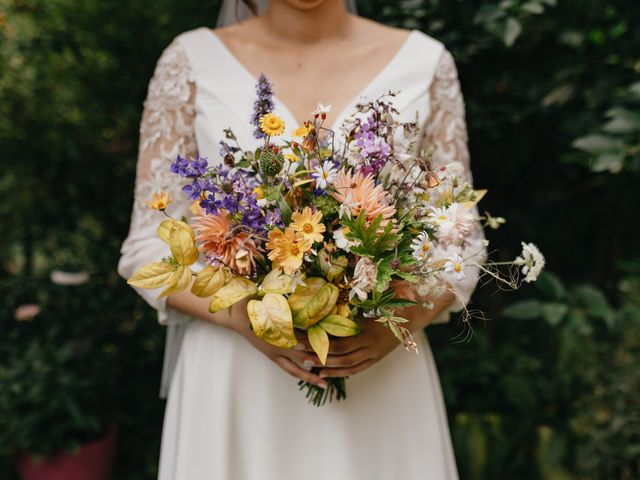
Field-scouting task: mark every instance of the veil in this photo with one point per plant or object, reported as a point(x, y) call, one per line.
point(231, 13)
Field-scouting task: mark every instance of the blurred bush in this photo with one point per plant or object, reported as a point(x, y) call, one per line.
point(546, 389)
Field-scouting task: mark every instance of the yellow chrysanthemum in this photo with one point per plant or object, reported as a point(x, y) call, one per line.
point(308, 224)
point(159, 201)
point(292, 158)
point(271, 125)
point(287, 249)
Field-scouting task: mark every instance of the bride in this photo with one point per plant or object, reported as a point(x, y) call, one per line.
point(234, 410)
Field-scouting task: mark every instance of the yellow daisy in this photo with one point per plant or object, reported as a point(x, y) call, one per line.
point(287, 249)
point(308, 224)
point(272, 125)
point(159, 201)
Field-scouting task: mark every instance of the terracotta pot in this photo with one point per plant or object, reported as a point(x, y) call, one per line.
point(93, 461)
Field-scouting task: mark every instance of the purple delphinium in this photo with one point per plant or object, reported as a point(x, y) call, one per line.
point(190, 168)
point(262, 105)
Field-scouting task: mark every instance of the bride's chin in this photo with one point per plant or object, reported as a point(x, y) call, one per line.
point(306, 4)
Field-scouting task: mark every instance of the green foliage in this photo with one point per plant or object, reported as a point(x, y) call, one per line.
point(373, 239)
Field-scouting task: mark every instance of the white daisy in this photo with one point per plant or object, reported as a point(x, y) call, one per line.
point(324, 174)
point(421, 246)
point(532, 262)
point(455, 267)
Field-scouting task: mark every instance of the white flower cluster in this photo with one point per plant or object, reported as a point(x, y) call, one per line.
point(532, 262)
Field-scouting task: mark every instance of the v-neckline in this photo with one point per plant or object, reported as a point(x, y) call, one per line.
point(244, 70)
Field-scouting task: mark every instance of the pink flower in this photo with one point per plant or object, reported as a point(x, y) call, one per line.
point(27, 312)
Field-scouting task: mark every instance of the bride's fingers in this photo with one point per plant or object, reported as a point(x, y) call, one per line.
point(347, 371)
point(290, 367)
point(346, 345)
point(348, 360)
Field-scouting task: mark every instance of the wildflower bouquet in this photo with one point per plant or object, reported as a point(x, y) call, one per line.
point(321, 230)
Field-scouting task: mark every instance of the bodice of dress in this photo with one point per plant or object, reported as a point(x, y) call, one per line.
point(199, 88)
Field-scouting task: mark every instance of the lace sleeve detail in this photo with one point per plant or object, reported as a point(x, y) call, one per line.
point(446, 132)
point(166, 130)
point(446, 128)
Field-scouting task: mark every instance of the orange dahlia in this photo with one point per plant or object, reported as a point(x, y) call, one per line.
point(362, 193)
point(236, 250)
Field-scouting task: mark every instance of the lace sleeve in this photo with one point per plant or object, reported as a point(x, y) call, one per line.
point(446, 132)
point(166, 130)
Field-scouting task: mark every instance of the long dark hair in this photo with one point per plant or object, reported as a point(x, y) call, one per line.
point(251, 4)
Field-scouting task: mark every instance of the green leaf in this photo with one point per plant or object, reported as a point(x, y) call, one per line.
point(524, 310)
point(551, 286)
point(599, 144)
point(512, 31)
point(285, 210)
point(596, 303)
point(553, 313)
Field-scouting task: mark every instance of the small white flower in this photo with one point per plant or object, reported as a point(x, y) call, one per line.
point(342, 242)
point(455, 267)
point(320, 109)
point(421, 246)
point(532, 262)
point(347, 206)
point(437, 215)
point(324, 174)
point(262, 202)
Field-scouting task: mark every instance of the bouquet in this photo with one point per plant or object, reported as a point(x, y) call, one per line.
point(325, 230)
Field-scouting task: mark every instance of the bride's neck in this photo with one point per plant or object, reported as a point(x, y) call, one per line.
point(330, 19)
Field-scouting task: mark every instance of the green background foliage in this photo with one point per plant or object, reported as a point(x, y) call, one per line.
point(547, 386)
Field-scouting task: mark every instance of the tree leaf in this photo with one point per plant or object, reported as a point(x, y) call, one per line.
point(154, 275)
point(271, 320)
point(234, 291)
point(339, 326)
point(319, 340)
point(179, 281)
point(551, 286)
point(318, 306)
point(524, 310)
point(208, 281)
point(599, 144)
point(553, 313)
point(183, 247)
point(512, 31)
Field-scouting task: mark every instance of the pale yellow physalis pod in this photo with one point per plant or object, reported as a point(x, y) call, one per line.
point(208, 281)
point(234, 291)
point(339, 326)
point(276, 281)
point(179, 281)
point(151, 276)
point(182, 245)
point(319, 340)
point(271, 320)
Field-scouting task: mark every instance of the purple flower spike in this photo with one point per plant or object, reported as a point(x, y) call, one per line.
point(262, 105)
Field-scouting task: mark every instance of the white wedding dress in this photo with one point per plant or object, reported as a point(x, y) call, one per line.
point(231, 413)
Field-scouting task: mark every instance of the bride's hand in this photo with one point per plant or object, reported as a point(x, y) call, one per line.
point(289, 360)
point(351, 355)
